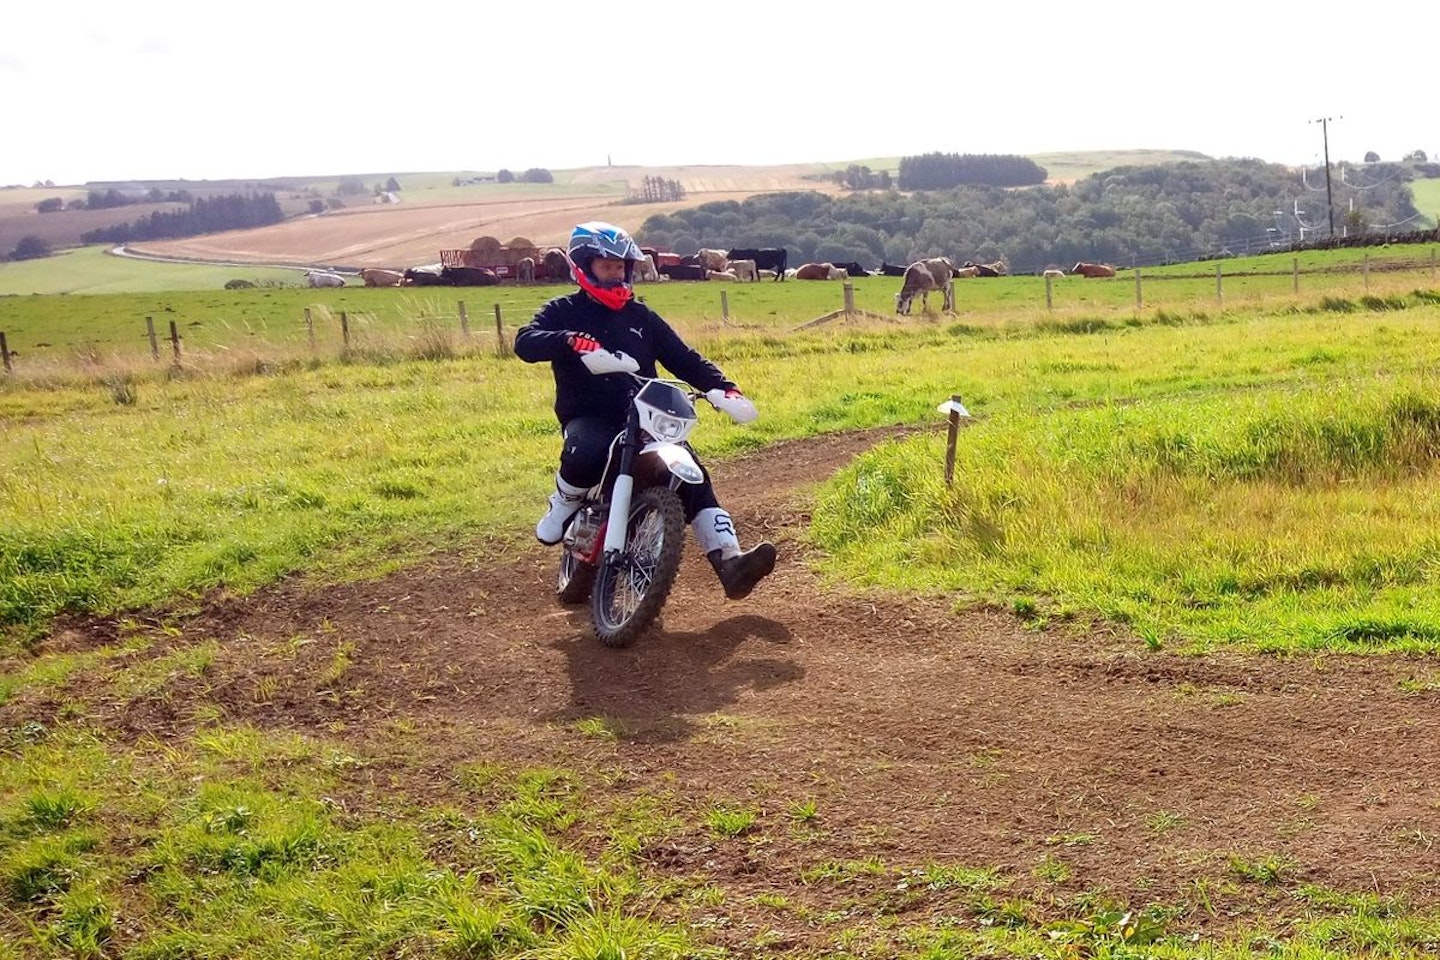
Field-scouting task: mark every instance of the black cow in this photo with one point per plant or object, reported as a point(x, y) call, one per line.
point(852, 268)
point(468, 277)
point(683, 271)
point(983, 269)
point(892, 270)
point(431, 276)
point(766, 258)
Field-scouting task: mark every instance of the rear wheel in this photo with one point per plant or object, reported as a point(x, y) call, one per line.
point(631, 588)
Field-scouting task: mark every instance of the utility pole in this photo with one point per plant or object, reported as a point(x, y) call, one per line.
point(1325, 136)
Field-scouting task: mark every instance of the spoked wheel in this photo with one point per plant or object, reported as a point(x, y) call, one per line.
point(631, 588)
point(575, 579)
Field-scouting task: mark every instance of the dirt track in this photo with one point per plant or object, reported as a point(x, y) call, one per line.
point(925, 736)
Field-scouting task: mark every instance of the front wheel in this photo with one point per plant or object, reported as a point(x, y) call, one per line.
point(572, 586)
point(631, 588)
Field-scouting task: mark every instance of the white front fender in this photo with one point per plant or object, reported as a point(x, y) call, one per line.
point(677, 460)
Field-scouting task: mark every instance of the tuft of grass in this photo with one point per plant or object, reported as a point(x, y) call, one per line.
point(725, 820)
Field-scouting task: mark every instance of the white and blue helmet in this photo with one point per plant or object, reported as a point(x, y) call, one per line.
point(598, 239)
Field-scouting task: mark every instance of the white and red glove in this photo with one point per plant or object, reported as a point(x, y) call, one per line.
point(582, 343)
point(733, 403)
point(597, 359)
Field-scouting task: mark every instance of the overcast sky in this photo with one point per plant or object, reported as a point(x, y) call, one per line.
point(149, 89)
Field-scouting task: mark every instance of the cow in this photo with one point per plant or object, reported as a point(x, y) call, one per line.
point(921, 277)
point(525, 270)
point(1084, 269)
point(324, 278)
point(554, 265)
point(745, 270)
point(982, 269)
point(766, 258)
point(765, 274)
point(713, 259)
point(683, 271)
point(892, 270)
point(721, 275)
point(468, 277)
point(819, 271)
point(427, 276)
point(645, 271)
point(852, 268)
point(375, 277)
point(1052, 273)
point(965, 273)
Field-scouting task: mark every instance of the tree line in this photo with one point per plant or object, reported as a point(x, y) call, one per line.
point(203, 215)
point(941, 171)
point(1129, 216)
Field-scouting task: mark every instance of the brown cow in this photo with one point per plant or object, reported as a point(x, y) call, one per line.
point(921, 277)
point(1093, 270)
point(554, 265)
point(375, 277)
point(819, 271)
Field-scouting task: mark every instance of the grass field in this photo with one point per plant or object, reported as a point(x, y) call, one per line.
point(1200, 474)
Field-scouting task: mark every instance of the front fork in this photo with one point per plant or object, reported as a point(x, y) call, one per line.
point(618, 527)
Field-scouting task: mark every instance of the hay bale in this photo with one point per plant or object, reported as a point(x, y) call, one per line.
point(520, 243)
point(485, 245)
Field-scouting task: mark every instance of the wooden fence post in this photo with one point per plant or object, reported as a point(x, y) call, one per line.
point(1139, 300)
point(1219, 294)
point(175, 342)
point(1366, 270)
point(310, 329)
point(1295, 270)
point(1432, 264)
point(1049, 292)
point(464, 321)
point(724, 307)
point(955, 405)
point(849, 294)
point(345, 328)
point(502, 347)
point(154, 343)
point(5, 352)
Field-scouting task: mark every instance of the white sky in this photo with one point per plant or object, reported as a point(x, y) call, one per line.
point(152, 89)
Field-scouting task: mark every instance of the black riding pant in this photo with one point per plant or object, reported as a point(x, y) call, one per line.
point(587, 448)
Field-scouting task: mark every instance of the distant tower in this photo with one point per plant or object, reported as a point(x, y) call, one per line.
point(607, 161)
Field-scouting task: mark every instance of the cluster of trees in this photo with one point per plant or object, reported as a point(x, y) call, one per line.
point(857, 176)
point(941, 171)
point(355, 187)
point(203, 215)
point(111, 198)
point(30, 247)
point(1127, 216)
point(658, 190)
point(533, 175)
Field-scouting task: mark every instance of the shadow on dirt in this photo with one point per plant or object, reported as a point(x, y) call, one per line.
point(658, 689)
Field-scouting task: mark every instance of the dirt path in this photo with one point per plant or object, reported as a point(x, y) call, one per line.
point(924, 736)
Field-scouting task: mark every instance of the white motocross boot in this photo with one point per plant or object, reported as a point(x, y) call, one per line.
point(563, 503)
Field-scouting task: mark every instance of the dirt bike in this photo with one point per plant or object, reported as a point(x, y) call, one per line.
point(622, 549)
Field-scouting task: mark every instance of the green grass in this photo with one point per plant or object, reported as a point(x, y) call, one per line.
point(1256, 475)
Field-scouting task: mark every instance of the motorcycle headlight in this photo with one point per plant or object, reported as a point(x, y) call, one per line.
point(665, 427)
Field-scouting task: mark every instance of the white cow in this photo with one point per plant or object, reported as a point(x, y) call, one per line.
point(745, 270)
point(324, 278)
point(645, 271)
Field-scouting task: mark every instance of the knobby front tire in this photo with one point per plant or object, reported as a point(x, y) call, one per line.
point(572, 586)
point(629, 592)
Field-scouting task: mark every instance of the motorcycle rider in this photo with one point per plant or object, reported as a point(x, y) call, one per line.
point(603, 315)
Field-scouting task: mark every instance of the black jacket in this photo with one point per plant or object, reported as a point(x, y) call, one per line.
point(635, 330)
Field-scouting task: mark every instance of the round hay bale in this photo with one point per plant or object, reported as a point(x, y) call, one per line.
point(520, 243)
point(485, 245)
